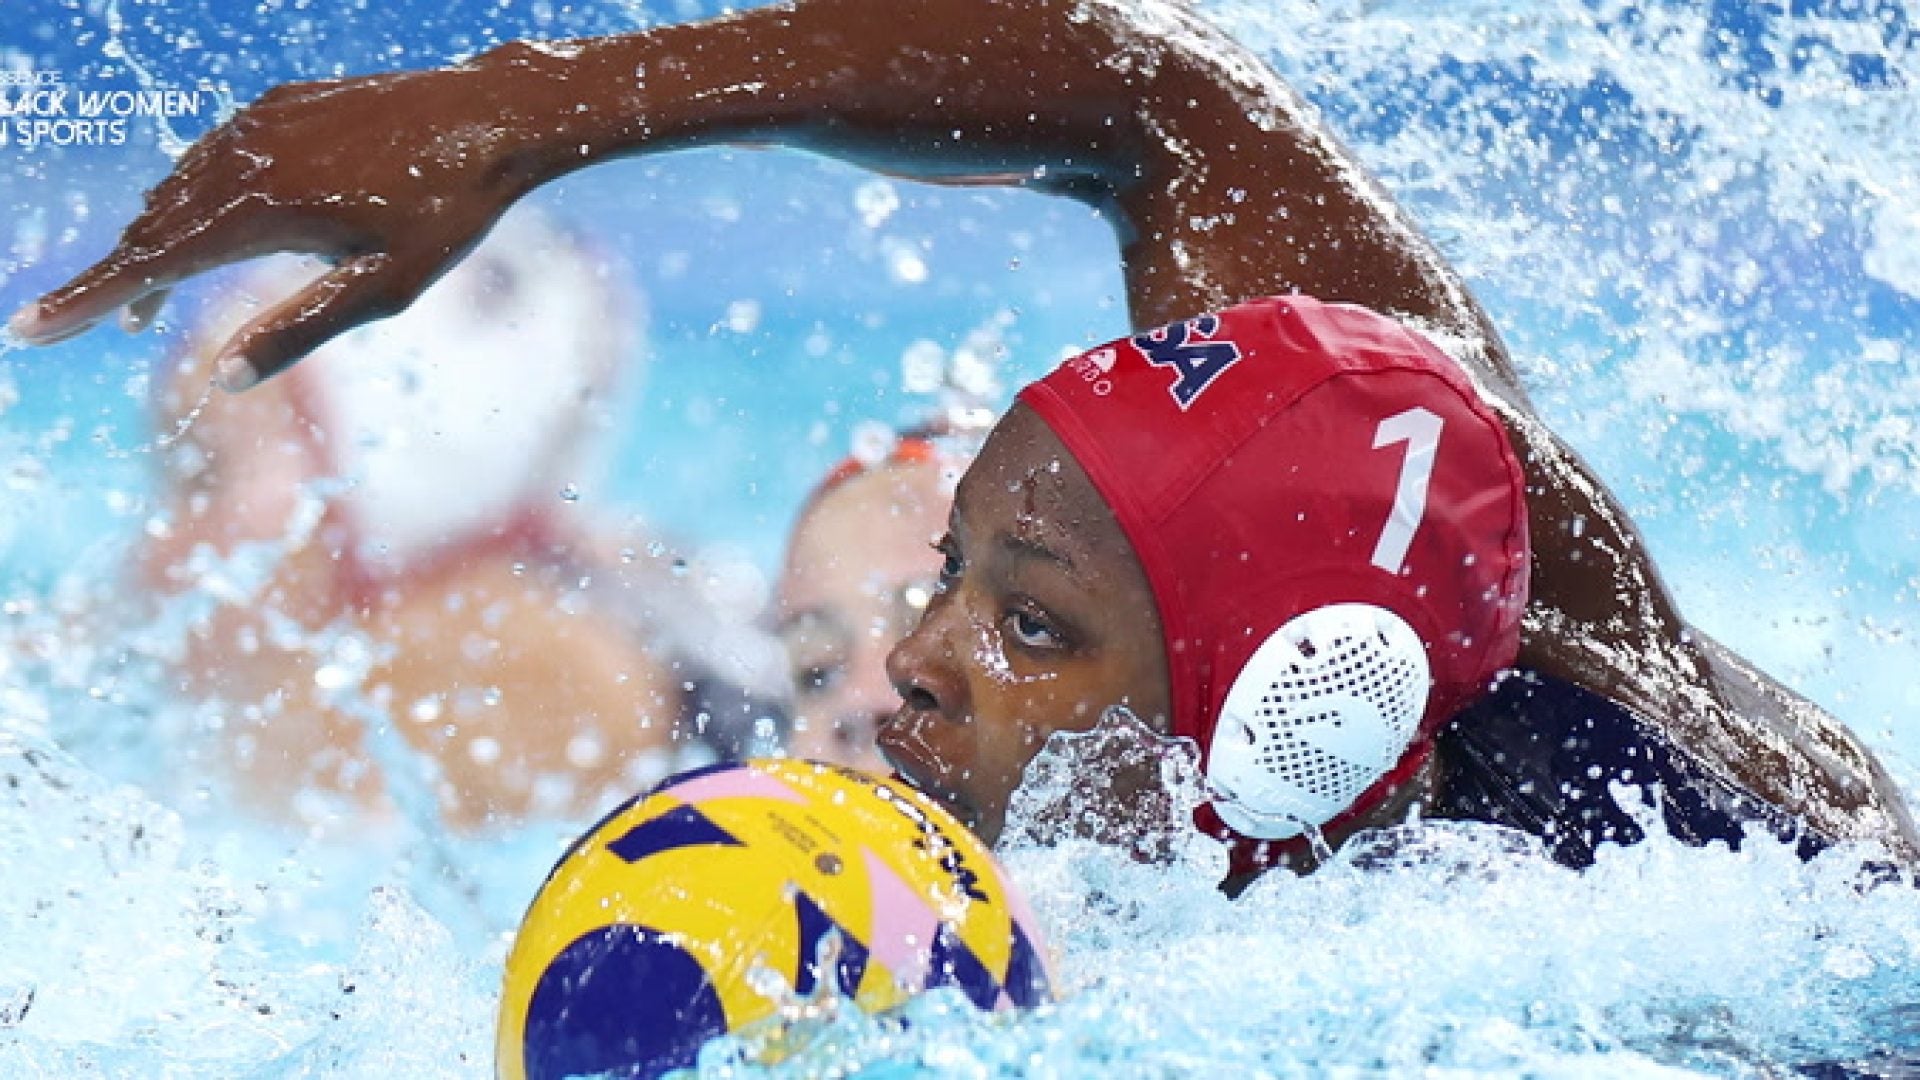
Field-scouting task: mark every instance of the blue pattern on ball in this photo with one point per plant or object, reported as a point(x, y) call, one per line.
point(815, 925)
point(951, 963)
point(621, 1001)
point(682, 826)
point(1027, 973)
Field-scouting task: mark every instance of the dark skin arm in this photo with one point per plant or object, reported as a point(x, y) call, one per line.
point(1219, 186)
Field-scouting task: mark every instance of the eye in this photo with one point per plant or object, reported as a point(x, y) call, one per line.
point(1032, 631)
point(818, 678)
point(951, 564)
point(818, 649)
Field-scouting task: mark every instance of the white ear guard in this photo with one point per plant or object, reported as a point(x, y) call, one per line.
point(1326, 706)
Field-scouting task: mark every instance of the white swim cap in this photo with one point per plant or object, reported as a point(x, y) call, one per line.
point(461, 418)
point(469, 407)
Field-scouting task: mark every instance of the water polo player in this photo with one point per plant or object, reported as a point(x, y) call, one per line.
point(855, 579)
point(1222, 189)
point(1287, 531)
point(404, 489)
point(856, 575)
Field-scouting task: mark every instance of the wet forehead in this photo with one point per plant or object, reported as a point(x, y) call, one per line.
point(1026, 488)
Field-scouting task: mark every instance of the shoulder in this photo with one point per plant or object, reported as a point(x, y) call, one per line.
point(1578, 770)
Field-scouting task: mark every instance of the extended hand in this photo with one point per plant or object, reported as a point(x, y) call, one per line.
point(389, 177)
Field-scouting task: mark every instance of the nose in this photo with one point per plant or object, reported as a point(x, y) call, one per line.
point(924, 667)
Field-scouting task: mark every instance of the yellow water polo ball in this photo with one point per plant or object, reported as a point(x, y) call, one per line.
point(666, 923)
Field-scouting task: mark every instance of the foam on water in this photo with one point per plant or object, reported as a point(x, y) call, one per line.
point(1438, 946)
point(1697, 225)
point(132, 951)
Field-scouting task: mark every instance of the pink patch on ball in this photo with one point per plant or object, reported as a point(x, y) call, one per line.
point(735, 784)
point(904, 925)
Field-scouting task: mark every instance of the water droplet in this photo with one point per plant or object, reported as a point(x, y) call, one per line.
point(585, 750)
point(484, 750)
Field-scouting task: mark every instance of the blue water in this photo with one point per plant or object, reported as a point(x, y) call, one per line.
point(1695, 223)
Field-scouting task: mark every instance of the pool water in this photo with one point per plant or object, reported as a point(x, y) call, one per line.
point(1696, 223)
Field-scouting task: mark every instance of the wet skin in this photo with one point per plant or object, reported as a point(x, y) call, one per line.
point(860, 570)
point(1043, 619)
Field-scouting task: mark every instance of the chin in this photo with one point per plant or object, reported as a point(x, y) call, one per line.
point(987, 830)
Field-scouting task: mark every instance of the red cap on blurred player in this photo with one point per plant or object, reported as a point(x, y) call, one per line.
point(1304, 484)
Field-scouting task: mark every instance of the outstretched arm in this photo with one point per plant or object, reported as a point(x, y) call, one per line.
point(1220, 185)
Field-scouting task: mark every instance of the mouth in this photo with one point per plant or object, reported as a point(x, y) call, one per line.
point(918, 766)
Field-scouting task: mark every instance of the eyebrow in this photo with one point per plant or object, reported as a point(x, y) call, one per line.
point(1011, 542)
point(817, 620)
point(1028, 547)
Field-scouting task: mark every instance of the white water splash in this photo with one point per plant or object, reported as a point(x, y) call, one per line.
point(1434, 949)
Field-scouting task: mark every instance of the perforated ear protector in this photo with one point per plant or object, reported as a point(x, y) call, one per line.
point(1322, 710)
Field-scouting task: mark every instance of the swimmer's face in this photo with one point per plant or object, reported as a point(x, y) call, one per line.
point(1043, 620)
point(860, 569)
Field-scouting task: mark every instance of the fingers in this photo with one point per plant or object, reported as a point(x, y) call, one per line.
point(137, 275)
point(138, 315)
point(357, 291)
point(29, 326)
point(187, 228)
point(113, 282)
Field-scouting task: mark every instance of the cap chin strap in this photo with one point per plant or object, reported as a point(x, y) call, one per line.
point(1322, 710)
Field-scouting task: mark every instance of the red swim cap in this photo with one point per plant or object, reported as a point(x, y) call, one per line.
point(1287, 457)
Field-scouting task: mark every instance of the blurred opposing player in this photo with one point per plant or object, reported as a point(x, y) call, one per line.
point(410, 553)
point(860, 567)
point(856, 579)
